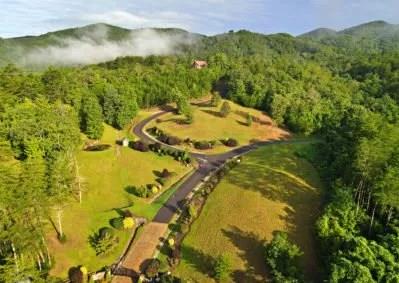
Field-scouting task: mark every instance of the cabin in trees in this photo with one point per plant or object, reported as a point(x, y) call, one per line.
point(198, 64)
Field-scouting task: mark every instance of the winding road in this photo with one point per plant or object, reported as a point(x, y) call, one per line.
point(142, 250)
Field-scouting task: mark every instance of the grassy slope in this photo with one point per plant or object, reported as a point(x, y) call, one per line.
point(271, 190)
point(208, 125)
point(106, 175)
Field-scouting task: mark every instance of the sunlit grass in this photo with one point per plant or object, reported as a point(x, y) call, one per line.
point(271, 190)
point(106, 174)
point(208, 125)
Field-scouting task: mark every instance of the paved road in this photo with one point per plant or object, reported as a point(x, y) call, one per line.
point(207, 163)
point(136, 258)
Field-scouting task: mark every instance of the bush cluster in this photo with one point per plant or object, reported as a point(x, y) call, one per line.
point(230, 142)
point(145, 191)
point(140, 146)
point(178, 155)
point(163, 137)
point(204, 145)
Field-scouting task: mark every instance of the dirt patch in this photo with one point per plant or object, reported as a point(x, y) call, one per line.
point(143, 249)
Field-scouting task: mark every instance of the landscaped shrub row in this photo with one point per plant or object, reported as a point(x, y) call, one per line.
point(163, 137)
point(178, 155)
point(190, 210)
point(145, 191)
point(204, 145)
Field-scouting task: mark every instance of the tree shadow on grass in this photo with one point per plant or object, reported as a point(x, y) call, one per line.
point(288, 180)
point(251, 252)
point(202, 262)
point(212, 112)
point(242, 123)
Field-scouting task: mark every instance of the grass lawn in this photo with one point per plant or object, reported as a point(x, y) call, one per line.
point(272, 189)
point(208, 125)
point(106, 175)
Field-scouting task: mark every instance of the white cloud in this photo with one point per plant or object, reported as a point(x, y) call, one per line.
point(95, 48)
point(22, 17)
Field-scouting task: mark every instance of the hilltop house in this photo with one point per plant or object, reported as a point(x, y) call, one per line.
point(197, 64)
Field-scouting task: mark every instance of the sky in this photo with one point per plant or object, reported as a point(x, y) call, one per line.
point(33, 17)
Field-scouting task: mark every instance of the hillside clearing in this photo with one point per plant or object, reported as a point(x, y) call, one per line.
point(106, 175)
point(271, 190)
point(208, 125)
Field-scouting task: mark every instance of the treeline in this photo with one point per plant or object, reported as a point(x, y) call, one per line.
point(352, 105)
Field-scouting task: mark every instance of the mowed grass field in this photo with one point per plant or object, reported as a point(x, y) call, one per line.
point(272, 189)
point(106, 174)
point(208, 125)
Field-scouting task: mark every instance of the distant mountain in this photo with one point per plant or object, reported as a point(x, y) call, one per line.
point(369, 37)
point(319, 33)
point(102, 42)
point(103, 35)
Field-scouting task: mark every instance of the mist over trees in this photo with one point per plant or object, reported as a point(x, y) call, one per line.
point(349, 100)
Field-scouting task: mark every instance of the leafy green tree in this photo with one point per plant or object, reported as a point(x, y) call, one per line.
point(91, 117)
point(282, 257)
point(222, 268)
point(225, 109)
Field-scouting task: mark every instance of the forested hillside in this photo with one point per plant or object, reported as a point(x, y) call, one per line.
point(342, 88)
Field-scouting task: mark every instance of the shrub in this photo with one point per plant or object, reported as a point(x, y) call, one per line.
point(104, 241)
point(230, 142)
point(225, 109)
point(140, 146)
point(166, 173)
point(154, 189)
point(184, 228)
point(156, 147)
point(127, 213)
point(249, 120)
point(222, 267)
point(153, 268)
point(105, 231)
point(140, 191)
point(189, 118)
point(216, 99)
point(171, 242)
point(98, 147)
point(128, 223)
point(171, 140)
point(75, 275)
point(203, 145)
point(117, 223)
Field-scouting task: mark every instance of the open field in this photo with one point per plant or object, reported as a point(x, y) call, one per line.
point(272, 189)
point(208, 125)
point(106, 175)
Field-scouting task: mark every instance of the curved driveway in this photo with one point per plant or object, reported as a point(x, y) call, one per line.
point(136, 258)
point(207, 163)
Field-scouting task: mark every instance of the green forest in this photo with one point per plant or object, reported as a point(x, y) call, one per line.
point(342, 88)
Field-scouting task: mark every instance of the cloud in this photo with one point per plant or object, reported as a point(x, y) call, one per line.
point(95, 47)
point(22, 17)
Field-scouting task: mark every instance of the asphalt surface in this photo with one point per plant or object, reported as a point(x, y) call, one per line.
point(207, 164)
